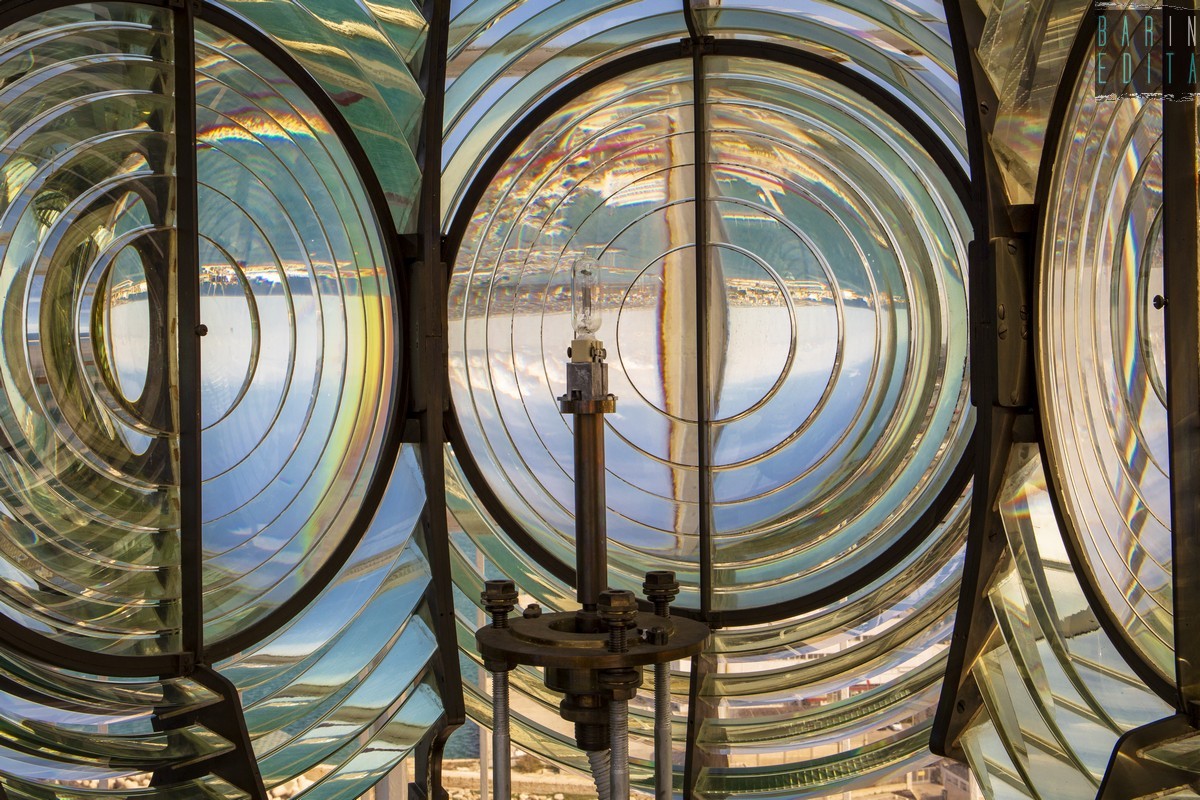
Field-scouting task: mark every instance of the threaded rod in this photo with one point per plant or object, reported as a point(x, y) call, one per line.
point(618, 723)
point(599, 759)
point(501, 762)
point(664, 772)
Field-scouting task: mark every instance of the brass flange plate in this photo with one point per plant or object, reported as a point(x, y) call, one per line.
point(550, 641)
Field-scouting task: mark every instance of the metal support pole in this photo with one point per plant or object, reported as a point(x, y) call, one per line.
point(591, 549)
point(587, 400)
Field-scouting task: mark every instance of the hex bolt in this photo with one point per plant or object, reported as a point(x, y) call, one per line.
point(661, 588)
point(532, 611)
point(618, 610)
point(499, 598)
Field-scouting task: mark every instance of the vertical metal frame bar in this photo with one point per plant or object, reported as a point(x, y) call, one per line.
point(703, 278)
point(1181, 258)
point(188, 332)
point(430, 283)
point(693, 758)
point(240, 766)
point(993, 426)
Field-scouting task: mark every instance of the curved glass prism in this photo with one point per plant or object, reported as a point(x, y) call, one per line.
point(1101, 359)
point(902, 48)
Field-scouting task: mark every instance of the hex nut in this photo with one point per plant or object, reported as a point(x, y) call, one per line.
point(621, 684)
point(499, 594)
point(656, 636)
point(660, 583)
point(618, 608)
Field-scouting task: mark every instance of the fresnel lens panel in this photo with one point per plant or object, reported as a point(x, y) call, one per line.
point(834, 257)
point(781, 249)
point(299, 342)
point(766, 205)
point(1102, 358)
point(90, 490)
point(1072, 648)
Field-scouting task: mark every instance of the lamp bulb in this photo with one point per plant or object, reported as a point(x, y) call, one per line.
point(585, 298)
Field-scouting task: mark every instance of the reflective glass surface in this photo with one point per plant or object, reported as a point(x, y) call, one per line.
point(836, 259)
point(832, 702)
point(298, 384)
point(1023, 53)
point(505, 57)
point(68, 732)
point(1101, 358)
point(1057, 695)
point(901, 46)
point(366, 57)
point(344, 692)
point(612, 174)
point(293, 423)
point(833, 397)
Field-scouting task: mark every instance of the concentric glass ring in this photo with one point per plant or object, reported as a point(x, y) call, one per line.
point(835, 324)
